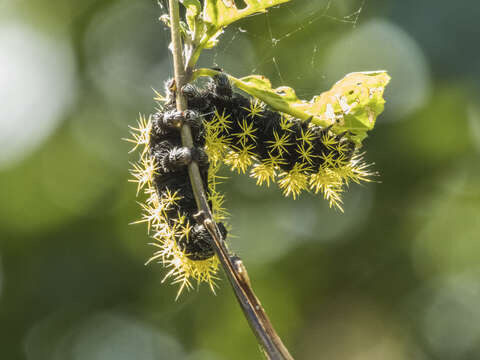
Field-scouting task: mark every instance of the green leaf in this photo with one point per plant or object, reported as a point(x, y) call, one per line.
point(220, 13)
point(193, 8)
point(205, 30)
point(351, 105)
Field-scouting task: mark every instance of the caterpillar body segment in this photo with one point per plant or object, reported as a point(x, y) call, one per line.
point(274, 147)
point(229, 129)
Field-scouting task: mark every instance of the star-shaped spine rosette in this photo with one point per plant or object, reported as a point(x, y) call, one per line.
point(249, 137)
point(274, 136)
point(277, 148)
point(167, 227)
point(352, 104)
point(141, 134)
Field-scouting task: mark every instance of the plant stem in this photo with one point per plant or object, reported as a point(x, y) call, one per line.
point(233, 266)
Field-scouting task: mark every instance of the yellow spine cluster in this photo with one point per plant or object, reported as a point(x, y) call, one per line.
point(167, 231)
point(330, 179)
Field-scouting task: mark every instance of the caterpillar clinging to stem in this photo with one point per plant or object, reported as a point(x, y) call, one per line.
point(244, 134)
point(274, 136)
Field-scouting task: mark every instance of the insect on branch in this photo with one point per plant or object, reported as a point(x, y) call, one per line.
point(233, 266)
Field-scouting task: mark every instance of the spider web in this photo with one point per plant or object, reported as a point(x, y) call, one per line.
point(263, 44)
point(304, 27)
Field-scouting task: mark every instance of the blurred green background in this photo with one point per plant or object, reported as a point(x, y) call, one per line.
point(395, 277)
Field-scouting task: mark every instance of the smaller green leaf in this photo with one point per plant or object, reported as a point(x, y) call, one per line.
point(351, 105)
point(194, 8)
point(205, 29)
point(221, 13)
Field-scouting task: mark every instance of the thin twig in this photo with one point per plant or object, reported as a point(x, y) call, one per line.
point(233, 266)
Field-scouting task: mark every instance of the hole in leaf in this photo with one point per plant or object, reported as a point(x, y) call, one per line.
point(240, 4)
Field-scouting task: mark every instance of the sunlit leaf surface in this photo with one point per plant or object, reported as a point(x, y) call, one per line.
point(221, 13)
point(351, 105)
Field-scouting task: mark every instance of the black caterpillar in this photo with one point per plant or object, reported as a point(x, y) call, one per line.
point(171, 160)
point(272, 134)
point(228, 128)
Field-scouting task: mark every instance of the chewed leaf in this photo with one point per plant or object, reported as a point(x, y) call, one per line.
point(220, 13)
point(351, 105)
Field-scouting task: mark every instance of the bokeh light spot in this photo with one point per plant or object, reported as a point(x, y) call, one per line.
point(127, 52)
point(451, 322)
point(102, 336)
point(346, 330)
point(474, 123)
point(113, 337)
point(382, 45)
point(270, 226)
point(37, 85)
point(447, 242)
point(74, 179)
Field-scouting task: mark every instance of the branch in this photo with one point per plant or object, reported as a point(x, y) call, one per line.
point(236, 272)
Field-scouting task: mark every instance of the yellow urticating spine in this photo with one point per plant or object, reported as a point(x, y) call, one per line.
point(167, 231)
